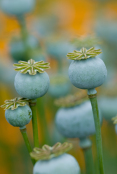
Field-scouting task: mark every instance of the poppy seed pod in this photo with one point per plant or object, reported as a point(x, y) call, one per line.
point(58, 49)
point(116, 128)
point(59, 85)
point(17, 113)
point(17, 48)
point(76, 121)
point(114, 119)
point(59, 165)
point(86, 71)
point(108, 106)
point(33, 82)
point(54, 160)
point(17, 7)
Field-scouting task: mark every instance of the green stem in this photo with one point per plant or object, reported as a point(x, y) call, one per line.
point(86, 145)
point(59, 65)
point(88, 160)
point(34, 122)
point(25, 137)
point(42, 117)
point(92, 93)
point(24, 34)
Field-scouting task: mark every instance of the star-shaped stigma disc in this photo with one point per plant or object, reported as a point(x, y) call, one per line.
point(48, 152)
point(84, 54)
point(31, 67)
point(15, 103)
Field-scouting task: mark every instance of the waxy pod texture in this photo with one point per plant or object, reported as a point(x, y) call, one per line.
point(59, 90)
point(17, 49)
point(63, 164)
point(17, 7)
point(88, 73)
point(108, 106)
point(19, 117)
point(116, 128)
point(59, 49)
point(31, 86)
point(77, 121)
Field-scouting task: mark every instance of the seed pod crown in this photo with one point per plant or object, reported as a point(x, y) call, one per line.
point(71, 100)
point(15, 103)
point(114, 119)
point(84, 54)
point(59, 79)
point(85, 41)
point(48, 152)
point(31, 67)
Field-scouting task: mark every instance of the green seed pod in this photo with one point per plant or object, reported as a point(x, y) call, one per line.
point(108, 106)
point(54, 160)
point(59, 165)
point(59, 49)
point(75, 120)
point(17, 113)
point(59, 85)
point(114, 119)
point(116, 128)
point(17, 48)
point(86, 71)
point(17, 7)
point(32, 85)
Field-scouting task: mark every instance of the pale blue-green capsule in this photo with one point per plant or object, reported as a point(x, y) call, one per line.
point(59, 90)
point(108, 106)
point(59, 49)
point(116, 128)
point(88, 73)
point(63, 164)
point(77, 121)
point(31, 86)
point(17, 48)
point(19, 117)
point(17, 7)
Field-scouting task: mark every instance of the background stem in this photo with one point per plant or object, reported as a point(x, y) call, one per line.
point(88, 160)
point(34, 122)
point(86, 145)
point(25, 35)
point(25, 137)
point(43, 121)
point(93, 99)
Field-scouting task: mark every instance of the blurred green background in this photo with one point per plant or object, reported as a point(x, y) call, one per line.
point(53, 25)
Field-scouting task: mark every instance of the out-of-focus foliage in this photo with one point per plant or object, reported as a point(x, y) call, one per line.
point(55, 19)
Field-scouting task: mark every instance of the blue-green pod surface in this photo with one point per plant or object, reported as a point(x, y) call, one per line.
point(59, 49)
point(17, 7)
point(19, 117)
point(116, 128)
point(31, 86)
point(17, 48)
point(88, 73)
point(59, 85)
point(106, 30)
point(63, 164)
point(77, 121)
point(59, 90)
point(46, 25)
point(108, 106)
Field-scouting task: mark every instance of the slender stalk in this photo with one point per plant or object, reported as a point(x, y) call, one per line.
point(24, 34)
point(92, 93)
point(88, 160)
point(42, 117)
point(86, 146)
point(59, 65)
point(25, 137)
point(34, 122)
